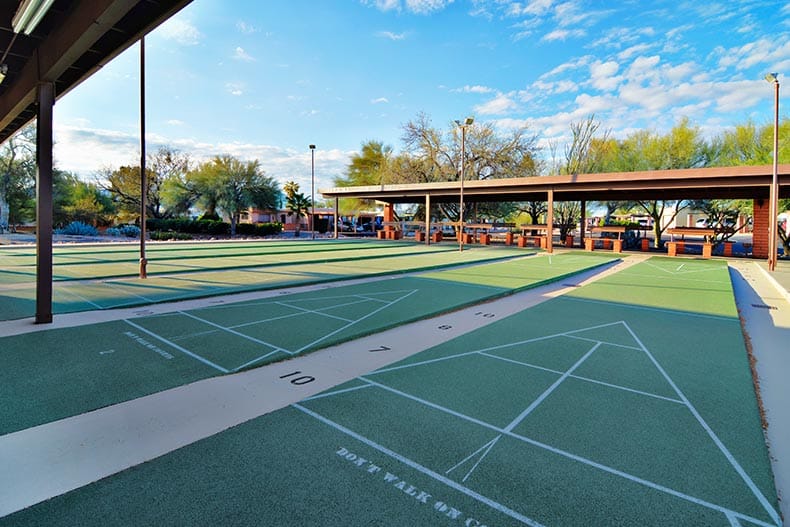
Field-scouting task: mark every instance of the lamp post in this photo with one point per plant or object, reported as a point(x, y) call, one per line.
point(312, 191)
point(462, 125)
point(773, 209)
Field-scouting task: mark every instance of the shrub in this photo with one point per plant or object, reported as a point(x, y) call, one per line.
point(77, 228)
point(183, 225)
point(112, 231)
point(168, 235)
point(130, 231)
point(259, 229)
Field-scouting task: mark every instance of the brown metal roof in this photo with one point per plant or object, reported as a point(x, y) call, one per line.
point(73, 40)
point(741, 182)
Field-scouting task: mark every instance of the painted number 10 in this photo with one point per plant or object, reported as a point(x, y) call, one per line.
point(302, 379)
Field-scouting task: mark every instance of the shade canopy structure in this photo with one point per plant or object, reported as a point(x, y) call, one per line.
point(73, 39)
point(743, 182)
point(47, 48)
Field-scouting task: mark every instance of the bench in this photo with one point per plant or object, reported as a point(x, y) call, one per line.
point(616, 244)
point(678, 247)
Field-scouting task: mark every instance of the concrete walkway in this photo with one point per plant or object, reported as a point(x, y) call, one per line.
point(764, 303)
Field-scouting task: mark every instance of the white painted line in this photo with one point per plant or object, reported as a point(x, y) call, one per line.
point(176, 346)
point(65, 289)
point(586, 379)
point(523, 415)
point(426, 471)
point(580, 459)
point(741, 472)
point(368, 315)
point(337, 392)
point(234, 332)
point(487, 447)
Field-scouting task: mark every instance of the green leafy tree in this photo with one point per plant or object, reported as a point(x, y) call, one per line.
point(77, 200)
point(298, 204)
point(166, 169)
point(235, 186)
point(17, 178)
point(368, 167)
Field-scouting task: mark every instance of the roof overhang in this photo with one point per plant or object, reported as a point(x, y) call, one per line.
point(743, 182)
point(73, 40)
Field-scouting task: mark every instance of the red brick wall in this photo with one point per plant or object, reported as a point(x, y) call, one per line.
point(760, 232)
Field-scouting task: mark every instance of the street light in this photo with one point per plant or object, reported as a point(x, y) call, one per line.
point(312, 191)
point(462, 125)
point(773, 209)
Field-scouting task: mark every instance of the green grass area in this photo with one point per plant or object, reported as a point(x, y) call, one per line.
point(569, 413)
point(99, 364)
point(306, 264)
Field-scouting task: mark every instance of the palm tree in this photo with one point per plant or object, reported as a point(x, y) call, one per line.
point(298, 204)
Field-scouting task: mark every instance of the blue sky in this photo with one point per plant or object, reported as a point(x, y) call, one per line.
point(263, 79)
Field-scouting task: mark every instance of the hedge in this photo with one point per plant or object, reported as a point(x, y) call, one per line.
point(212, 227)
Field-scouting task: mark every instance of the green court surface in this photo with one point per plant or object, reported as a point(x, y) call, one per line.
point(186, 271)
point(49, 375)
point(566, 414)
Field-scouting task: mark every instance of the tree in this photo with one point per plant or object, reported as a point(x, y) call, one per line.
point(298, 204)
point(682, 147)
point(166, 171)
point(17, 178)
point(368, 167)
point(433, 155)
point(77, 200)
point(236, 186)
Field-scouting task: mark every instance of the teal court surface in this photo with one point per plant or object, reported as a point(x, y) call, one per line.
point(628, 401)
point(105, 277)
point(74, 370)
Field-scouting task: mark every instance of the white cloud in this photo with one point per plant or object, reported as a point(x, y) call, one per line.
point(390, 35)
point(235, 88)
point(500, 104)
point(563, 34)
point(424, 7)
point(379, 100)
point(240, 54)
point(181, 31)
point(420, 7)
point(175, 122)
point(602, 75)
point(246, 28)
point(473, 89)
point(111, 149)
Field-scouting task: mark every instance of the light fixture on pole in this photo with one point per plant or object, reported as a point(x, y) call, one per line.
point(312, 191)
point(462, 125)
point(773, 209)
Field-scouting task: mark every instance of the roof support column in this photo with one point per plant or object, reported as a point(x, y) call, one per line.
point(583, 222)
point(427, 219)
point(337, 217)
point(46, 100)
point(550, 222)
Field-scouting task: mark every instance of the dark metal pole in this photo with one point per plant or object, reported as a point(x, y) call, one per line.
point(312, 191)
point(773, 224)
point(463, 173)
point(46, 100)
point(143, 179)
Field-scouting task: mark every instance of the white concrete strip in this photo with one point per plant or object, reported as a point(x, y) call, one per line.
point(54, 458)
point(768, 328)
point(779, 288)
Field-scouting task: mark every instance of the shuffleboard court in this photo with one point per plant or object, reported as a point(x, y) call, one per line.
point(220, 275)
point(49, 375)
point(561, 415)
